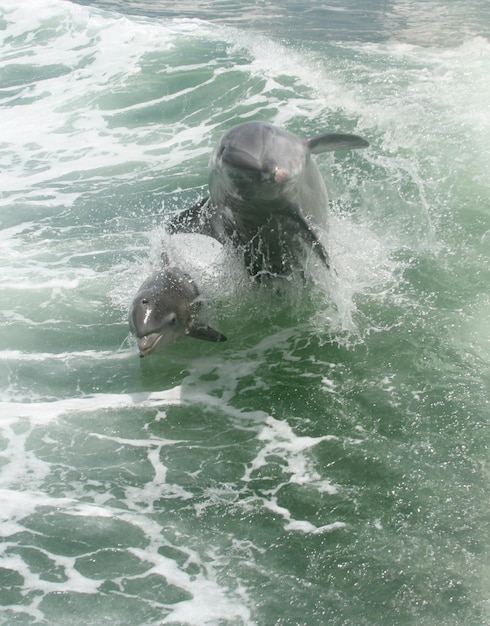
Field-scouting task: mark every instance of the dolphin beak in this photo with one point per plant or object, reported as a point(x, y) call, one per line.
point(148, 343)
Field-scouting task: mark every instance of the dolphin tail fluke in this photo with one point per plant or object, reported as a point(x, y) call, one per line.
point(335, 141)
point(205, 332)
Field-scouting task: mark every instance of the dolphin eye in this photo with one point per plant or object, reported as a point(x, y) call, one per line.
point(172, 320)
point(144, 301)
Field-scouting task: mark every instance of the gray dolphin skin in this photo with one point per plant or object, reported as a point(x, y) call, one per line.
point(165, 309)
point(267, 196)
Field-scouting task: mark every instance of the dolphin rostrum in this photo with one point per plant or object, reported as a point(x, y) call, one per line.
point(267, 196)
point(165, 308)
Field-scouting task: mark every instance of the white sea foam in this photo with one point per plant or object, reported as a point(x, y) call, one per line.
point(90, 355)
point(44, 412)
point(209, 600)
point(300, 525)
point(92, 55)
point(280, 440)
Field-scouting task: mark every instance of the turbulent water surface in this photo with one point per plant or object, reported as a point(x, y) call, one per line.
point(328, 464)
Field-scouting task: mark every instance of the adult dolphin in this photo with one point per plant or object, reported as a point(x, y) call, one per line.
point(267, 196)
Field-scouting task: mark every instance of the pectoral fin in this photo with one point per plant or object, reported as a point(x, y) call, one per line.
point(309, 235)
point(205, 332)
point(195, 219)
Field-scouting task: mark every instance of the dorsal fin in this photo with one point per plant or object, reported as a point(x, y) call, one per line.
point(335, 141)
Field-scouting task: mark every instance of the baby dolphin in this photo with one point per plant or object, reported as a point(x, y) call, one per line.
point(165, 308)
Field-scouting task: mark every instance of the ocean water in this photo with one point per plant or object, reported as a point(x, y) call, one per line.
point(328, 464)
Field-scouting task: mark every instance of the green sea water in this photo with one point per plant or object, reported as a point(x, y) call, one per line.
point(328, 464)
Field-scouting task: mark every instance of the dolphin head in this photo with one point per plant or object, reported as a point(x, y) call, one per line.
point(257, 161)
point(164, 309)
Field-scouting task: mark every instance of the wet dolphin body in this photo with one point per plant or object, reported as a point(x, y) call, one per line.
point(165, 308)
point(267, 196)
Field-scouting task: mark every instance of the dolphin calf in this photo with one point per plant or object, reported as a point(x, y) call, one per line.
point(165, 308)
point(267, 196)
